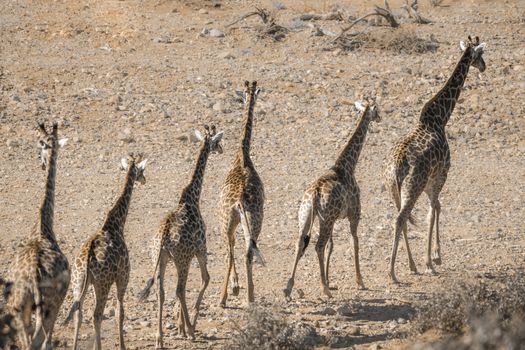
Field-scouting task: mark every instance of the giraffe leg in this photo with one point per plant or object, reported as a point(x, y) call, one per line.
point(228, 229)
point(306, 219)
point(182, 272)
point(22, 322)
point(122, 284)
point(411, 262)
point(354, 223)
point(163, 261)
point(412, 189)
point(49, 325)
point(101, 296)
point(251, 223)
point(325, 231)
point(329, 249)
point(437, 248)
point(201, 257)
point(431, 218)
point(182, 324)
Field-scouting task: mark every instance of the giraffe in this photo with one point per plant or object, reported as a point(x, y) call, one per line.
point(333, 196)
point(242, 201)
point(40, 276)
point(182, 236)
point(420, 161)
point(103, 259)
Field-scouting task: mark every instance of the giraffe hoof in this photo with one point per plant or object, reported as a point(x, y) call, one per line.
point(235, 290)
point(430, 271)
point(326, 292)
point(437, 260)
point(393, 278)
point(287, 294)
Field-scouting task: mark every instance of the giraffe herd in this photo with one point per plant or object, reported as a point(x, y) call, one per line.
point(41, 274)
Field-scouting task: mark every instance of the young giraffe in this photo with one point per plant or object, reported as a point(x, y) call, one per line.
point(419, 162)
point(182, 236)
point(242, 201)
point(41, 271)
point(334, 196)
point(103, 259)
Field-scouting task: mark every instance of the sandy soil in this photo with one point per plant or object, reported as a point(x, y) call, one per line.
point(126, 76)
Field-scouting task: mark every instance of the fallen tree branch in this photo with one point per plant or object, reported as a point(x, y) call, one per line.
point(378, 11)
point(412, 12)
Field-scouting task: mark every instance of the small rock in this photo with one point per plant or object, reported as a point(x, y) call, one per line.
point(401, 320)
point(203, 11)
point(12, 143)
point(145, 323)
point(226, 55)
point(215, 33)
point(344, 310)
point(354, 331)
point(217, 106)
point(328, 311)
point(126, 136)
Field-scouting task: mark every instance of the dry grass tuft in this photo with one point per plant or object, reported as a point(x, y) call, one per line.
point(489, 313)
point(263, 329)
point(399, 40)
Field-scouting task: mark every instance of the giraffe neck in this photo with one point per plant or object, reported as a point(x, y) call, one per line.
point(47, 208)
point(437, 111)
point(246, 134)
point(348, 158)
point(192, 192)
point(116, 218)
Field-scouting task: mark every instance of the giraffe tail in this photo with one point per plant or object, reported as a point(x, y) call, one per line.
point(143, 294)
point(396, 194)
point(76, 304)
point(259, 258)
point(39, 332)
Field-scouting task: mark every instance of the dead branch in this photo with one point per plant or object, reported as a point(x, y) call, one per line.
point(412, 12)
point(332, 16)
point(378, 11)
point(242, 18)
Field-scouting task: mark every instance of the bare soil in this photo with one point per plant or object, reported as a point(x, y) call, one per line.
point(125, 76)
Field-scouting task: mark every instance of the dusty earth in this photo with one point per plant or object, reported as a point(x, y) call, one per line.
point(125, 76)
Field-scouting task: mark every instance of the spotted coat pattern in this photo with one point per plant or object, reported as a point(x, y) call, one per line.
point(420, 161)
point(331, 197)
point(40, 274)
point(103, 260)
point(181, 237)
point(242, 202)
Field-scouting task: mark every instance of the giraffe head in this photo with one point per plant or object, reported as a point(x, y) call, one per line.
point(250, 93)
point(48, 142)
point(477, 50)
point(211, 138)
point(369, 108)
point(135, 164)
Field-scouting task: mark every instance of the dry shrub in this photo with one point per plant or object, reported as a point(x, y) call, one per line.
point(263, 329)
point(489, 313)
point(397, 40)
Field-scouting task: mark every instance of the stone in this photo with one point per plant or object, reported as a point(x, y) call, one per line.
point(345, 310)
point(328, 311)
point(226, 55)
point(215, 33)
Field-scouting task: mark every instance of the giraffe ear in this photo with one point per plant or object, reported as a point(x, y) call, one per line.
point(217, 138)
point(359, 106)
point(123, 164)
point(481, 47)
point(198, 135)
point(244, 97)
point(41, 144)
point(62, 142)
point(462, 45)
point(142, 164)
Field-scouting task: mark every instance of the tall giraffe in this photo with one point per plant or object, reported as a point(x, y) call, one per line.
point(242, 201)
point(41, 273)
point(334, 196)
point(182, 236)
point(419, 162)
point(103, 259)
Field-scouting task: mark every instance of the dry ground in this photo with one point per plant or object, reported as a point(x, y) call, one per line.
point(135, 76)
